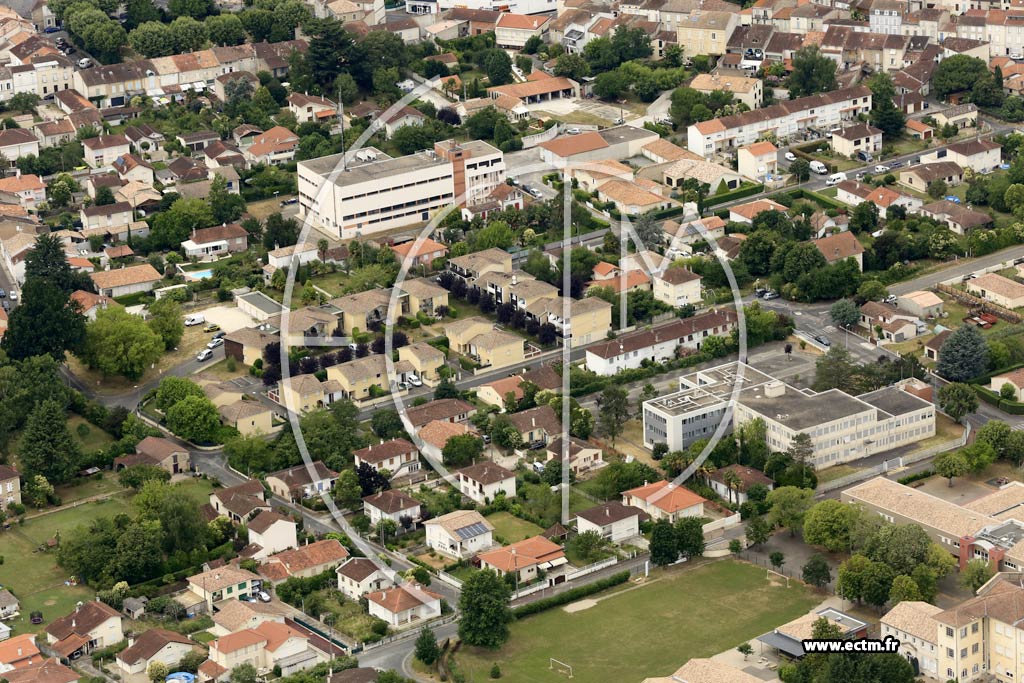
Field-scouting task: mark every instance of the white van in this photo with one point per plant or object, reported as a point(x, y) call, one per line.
point(819, 167)
point(835, 179)
point(194, 319)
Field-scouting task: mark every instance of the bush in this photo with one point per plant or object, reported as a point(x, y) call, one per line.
point(909, 479)
point(732, 195)
point(570, 595)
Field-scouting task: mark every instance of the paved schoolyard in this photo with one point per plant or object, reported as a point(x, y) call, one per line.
point(963, 491)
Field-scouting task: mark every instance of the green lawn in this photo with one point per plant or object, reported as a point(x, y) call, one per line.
point(87, 487)
point(512, 529)
point(33, 575)
point(94, 438)
point(649, 631)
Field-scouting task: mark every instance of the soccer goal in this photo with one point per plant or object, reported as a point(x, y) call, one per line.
point(778, 574)
point(559, 667)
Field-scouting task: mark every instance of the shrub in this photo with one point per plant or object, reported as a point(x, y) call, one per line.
point(570, 595)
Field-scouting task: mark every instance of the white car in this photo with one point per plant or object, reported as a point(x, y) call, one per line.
point(263, 596)
point(214, 343)
point(205, 354)
point(13, 295)
point(881, 168)
point(414, 380)
point(572, 131)
point(790, 156)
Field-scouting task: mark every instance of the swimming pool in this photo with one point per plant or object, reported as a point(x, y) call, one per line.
point(200, 274)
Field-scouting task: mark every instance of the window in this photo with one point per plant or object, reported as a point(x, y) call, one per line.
point(974, 627)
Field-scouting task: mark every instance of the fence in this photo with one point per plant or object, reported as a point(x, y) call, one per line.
point(449, 579)
point(977, 302)
point(591, 568)
point(410, 633)
point(531, 141)
point(722, 524)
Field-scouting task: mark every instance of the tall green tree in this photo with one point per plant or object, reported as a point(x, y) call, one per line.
point(812, 72)
point(844, 313)
point(119, 343)
point(426, 649)
point(950, 465)
point(167, 321)
point(485, 610)
point(958, 400)
point(194, 419)
point(789, 505)
point(46, 446)
point(663, 547)
point(44, 323)
point(614, 411)
point(958, 73)
point(816, 571)
point(964, 354)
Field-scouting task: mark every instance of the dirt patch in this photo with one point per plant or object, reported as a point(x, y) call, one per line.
point(50, 603)
point(579, 606)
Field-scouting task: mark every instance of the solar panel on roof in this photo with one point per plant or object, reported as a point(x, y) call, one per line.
point(474, 529)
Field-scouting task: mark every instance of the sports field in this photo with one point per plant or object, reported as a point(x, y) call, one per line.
point(646, 631)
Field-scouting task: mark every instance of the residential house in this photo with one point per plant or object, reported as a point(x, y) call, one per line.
point(424, 359)
point(419, 252)
point(706, 33)
point(483, 482)
point(132, 169)
point(749, 91)
point(391, 504)
point(285, 257)
point(746, 213)
point(512, 31)
point(305, 393)
point(248, 417)
point(858, 141)
point(157, 452)
point(104, 150)
point(1014, 379)
point(241, 502)
point(19, 652)
point(366, 378)
point(265, 647)
point(982, 156)
point(583, 456)
point(853, 193)
point(459, 534)
point(962, 116)
point(9, 607)
point(210, 243)
point(47, 671)
point(665, 500)
point(613, 521)
point(302, 481)
point(784, 120)
point(496, 393)
point(90, 626)
point(275, 146)
point(478, 339)
point(269, 533)
point(472, 266)
point(658, 344)
point(305, 561)
point(26, 189)
point(223, 583)
point(154, 645)
point(144, 138)
point(246, 344)
point(732, 482)
point(920, 176)
point(537, 426)
point(397, 456)
point(10, 486)
point(358, 576)
point(404, 605)
point(107, 216)
point(198, 140)
point(841, 246)
point(957, 217)
point(237, 615)
point(443, 410)
point(677, 287)
point(127, 280)
point(589, 319)
point(311, 108)
point(16, 143)
point(759, 160)
point(934, 345)
point(997, 289)
point(524, 559)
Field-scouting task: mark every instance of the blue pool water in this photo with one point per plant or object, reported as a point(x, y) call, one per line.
point(201, 274)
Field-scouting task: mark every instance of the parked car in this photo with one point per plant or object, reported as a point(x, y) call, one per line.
point(52, 29)
point(891, 299)
point(215, 342)
point(403, 386)
point(3, 293)
point(790, 156)
point(881, 168)
point(205, 354)
point(771, 294)
point(263, 596)
point(211, 327)
point(13, 295)
point(219, 335)
point(823, 340)
point(619, 121)
point(414, 380)
point(246, 598)
point(194, 319)
point(290, 201)
point(760, 292)
point(897, 164)
point(69, 50)
point(84, 63)
point(865, 156)
point(572, 131)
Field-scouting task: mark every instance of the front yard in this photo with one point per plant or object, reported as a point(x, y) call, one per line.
point(648, 631)
point(512, 529)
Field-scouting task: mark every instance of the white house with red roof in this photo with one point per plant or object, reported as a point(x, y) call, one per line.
point(404, 605)
point(853, 193)
point(526, 558)
point(358, 576)
point(25, 189)
point(397, 456)
point(275, 146)
point(841, 246)
point(420, 252)
point(665, 500)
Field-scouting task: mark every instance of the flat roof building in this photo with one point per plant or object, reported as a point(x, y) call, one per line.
point(376, 192)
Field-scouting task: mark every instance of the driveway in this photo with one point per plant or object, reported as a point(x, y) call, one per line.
point(228, 317)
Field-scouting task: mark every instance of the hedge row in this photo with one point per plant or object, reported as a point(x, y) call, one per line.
point(822, 200)
point(733, 195)
point(570, 595)
point(923, 474)
point(815, 145)
point(992, 398)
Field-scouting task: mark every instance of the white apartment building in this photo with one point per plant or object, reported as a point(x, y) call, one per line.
point(376, 192)
point(821, 112)
point(1003, 29)
point(43, 77)
point(514, 6)
point(842, 427)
